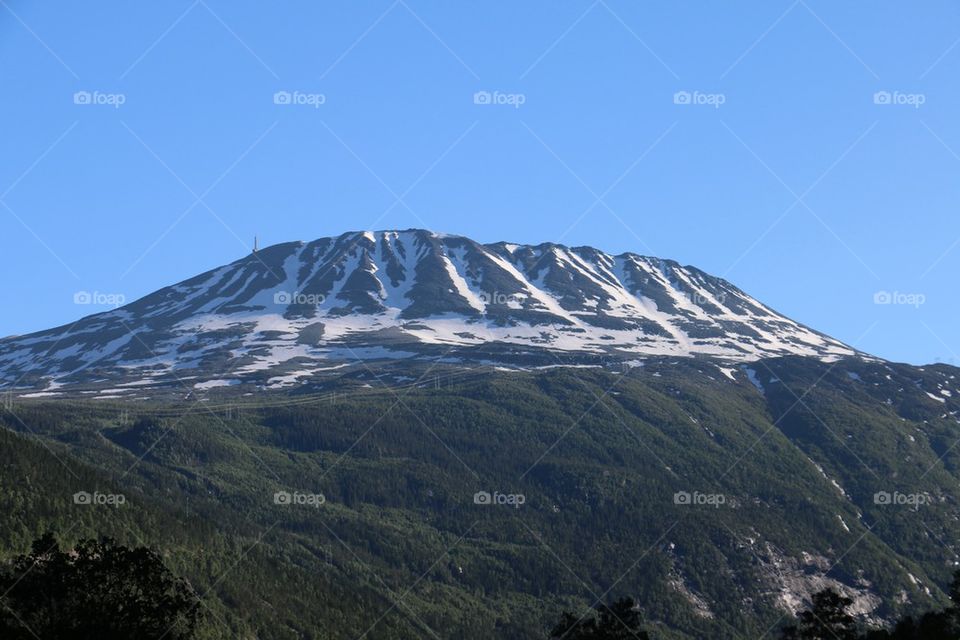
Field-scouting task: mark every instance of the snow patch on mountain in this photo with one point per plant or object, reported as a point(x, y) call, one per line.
point(300, 306)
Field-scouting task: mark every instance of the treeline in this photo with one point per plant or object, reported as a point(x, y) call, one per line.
point(828, 618)
point(105, 591)
point(98, 590)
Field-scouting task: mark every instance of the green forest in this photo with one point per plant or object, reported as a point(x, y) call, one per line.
point(492, 506)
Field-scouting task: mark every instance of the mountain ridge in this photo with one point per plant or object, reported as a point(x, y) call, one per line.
point(293, 309)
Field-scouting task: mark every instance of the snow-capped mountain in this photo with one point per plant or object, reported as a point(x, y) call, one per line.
point(293, 310)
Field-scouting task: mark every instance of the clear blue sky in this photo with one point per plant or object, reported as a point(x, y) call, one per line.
point(799, 187)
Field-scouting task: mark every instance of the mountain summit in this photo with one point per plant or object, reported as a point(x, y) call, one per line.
point(292, 310)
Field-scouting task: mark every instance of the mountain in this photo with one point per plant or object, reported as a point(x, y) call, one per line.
point(498, 433)
point(298, 313)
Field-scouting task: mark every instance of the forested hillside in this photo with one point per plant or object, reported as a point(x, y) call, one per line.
point(718, 499)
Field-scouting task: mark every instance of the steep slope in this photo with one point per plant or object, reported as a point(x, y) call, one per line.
point(293, 312)
point(783, 497)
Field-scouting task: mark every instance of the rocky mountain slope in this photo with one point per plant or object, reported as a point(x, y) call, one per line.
point(292, 313)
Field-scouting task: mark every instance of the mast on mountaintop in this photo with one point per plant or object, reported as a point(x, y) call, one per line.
point(254, 244)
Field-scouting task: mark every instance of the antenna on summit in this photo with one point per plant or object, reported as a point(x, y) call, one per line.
point(254, 244)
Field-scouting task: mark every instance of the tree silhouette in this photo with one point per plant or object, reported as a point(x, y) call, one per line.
point(619, 621)
point(933, 625)
point(97, 591)
point(826, 620)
